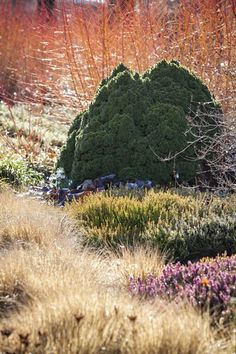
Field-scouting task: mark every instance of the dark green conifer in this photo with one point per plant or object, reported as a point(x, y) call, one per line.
point(135, 119)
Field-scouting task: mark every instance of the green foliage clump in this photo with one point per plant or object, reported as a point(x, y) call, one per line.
point(185, 227)
point(16, 172)
point(136, 121)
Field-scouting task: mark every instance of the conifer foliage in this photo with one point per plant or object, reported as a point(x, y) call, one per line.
point(134, 122)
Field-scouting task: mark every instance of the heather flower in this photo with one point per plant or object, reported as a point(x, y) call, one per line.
point(206, 285)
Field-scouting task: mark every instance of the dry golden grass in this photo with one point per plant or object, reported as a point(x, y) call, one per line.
point(56, 297)
point(139, 260)
point(24, 221)
point(74, 303)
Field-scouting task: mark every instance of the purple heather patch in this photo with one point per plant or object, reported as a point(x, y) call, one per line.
point(206, 284)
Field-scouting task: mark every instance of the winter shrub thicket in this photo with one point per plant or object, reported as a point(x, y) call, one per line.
point(185, 227)
point(135, 119)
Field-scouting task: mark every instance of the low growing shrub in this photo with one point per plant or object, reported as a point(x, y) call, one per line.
point(207, 285)
point(184, 227)
point(16, 172)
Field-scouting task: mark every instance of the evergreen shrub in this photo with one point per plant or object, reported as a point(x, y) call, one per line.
point(135, 119)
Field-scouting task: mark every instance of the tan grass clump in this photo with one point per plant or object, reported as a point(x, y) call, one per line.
point(69, 307)
point(136, 261)
point(27, 221)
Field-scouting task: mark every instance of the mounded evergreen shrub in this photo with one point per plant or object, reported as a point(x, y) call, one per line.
point(133, 120)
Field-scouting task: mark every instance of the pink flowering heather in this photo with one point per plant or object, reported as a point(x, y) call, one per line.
point(209, 284)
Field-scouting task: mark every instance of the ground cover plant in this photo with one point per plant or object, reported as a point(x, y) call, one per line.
point(186, 227)
point(56, 296)
point(15, 171)
point(208, 284)
point(134, 119)
point(33, 132)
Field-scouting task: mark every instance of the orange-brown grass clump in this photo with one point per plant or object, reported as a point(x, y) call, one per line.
point(63, 59)
point(61, 298)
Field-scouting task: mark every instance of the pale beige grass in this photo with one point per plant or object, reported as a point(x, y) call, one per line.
point(67, 307)
point(56, 297)
point(24, 221)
